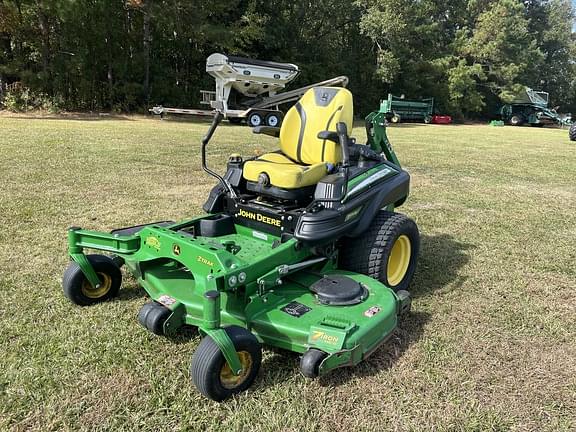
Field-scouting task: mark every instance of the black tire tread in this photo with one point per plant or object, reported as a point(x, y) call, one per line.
point(73, 277)
point(208, 353)
point(365, 254)
point(310, 362)
point(152, 317)
point(572, 132)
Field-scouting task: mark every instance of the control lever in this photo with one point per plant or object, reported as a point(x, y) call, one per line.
point(215, 122)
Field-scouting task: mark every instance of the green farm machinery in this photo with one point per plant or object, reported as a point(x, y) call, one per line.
point(400, 109)
point(300, 249)
point(531, 107)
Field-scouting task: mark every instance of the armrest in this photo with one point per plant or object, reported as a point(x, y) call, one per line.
point(329, 135)
point(267, 130)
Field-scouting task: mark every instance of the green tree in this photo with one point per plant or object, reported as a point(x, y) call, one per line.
point(505, 48)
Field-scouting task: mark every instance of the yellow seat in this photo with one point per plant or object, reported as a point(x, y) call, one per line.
point(283, 172)
point(304, 158)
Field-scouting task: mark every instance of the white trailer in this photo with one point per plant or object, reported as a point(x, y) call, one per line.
point(247, 90)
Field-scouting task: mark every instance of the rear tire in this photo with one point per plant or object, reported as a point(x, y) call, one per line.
point(387, 251)
point(395, 118)
point(210, 371)
point(572, 132)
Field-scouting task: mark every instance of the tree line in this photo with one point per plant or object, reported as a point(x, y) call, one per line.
point(125, 55)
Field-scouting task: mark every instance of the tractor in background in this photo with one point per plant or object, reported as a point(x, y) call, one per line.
point(531, 107)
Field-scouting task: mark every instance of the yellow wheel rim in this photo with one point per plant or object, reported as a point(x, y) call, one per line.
point(94, 293)
point(231, 381)
point(399, 260)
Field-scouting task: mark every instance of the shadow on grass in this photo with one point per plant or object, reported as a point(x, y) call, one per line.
point(409, 331)
point(441, 258)
point(131, 292)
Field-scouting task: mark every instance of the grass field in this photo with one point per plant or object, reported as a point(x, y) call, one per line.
point(490, 344)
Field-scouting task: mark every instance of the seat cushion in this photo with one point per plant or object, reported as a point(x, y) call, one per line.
point(283, 172)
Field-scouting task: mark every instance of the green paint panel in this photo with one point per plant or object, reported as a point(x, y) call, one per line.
point(277, 327)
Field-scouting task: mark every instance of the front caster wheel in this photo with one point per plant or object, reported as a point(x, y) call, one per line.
point(210, 371)
point(310, 362)
point(77, 288)
point(152, 317)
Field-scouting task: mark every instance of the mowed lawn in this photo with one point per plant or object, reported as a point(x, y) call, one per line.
point(490, 343)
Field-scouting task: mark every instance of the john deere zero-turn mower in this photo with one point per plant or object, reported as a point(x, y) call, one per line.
point(300, 249)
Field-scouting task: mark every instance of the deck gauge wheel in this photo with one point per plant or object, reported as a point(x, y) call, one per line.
point(310, 362)
point(152, 317)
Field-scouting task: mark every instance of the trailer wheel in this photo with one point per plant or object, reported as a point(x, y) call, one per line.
point(387, 251)
point(516, 120)
point(210, 371)
point(274, 119)
point(428, 119)
point(572, 132)
point(254, 119)
point(395, 118)
point(79, 291)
